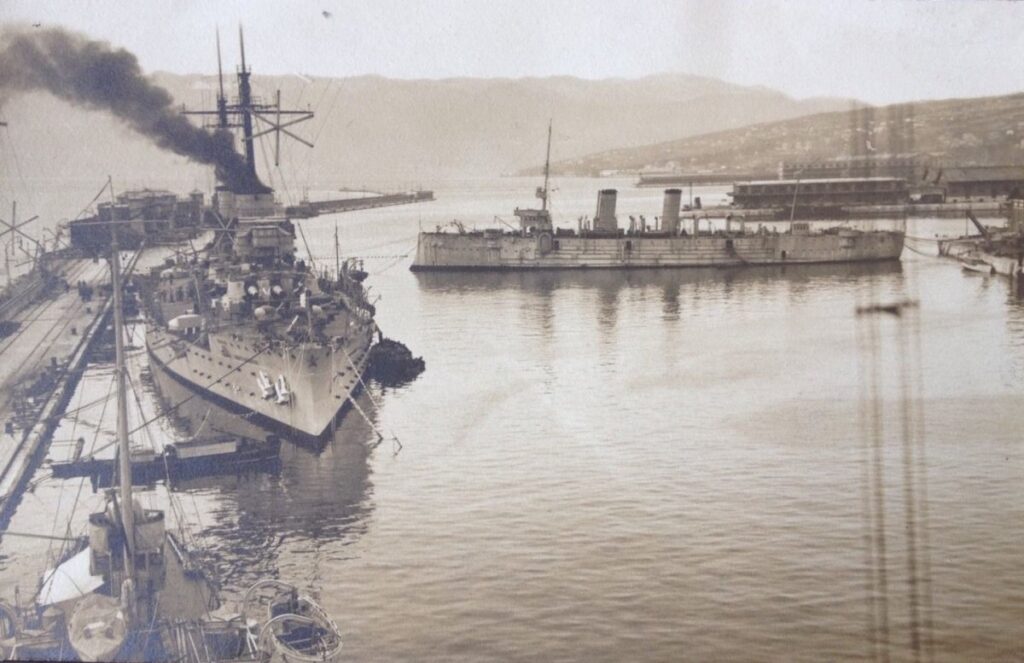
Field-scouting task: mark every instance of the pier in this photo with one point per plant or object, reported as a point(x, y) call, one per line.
point(47, 351)
point(308, 209)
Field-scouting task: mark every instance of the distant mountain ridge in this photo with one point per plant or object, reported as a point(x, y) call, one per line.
point(371, 128)
point(973, 131)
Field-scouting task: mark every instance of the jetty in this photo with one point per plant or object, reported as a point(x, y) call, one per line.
point(308, 209)
point(43, 361)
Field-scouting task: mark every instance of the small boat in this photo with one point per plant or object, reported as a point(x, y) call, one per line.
point(289, 626)
point(976, 264)
point(266, 386)
point(284, 395)
point(98, 628)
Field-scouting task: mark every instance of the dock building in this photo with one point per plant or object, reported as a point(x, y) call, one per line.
point(820, 192)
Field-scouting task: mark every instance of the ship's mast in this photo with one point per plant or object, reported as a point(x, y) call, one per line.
point(245, 101)
point(547, 171)
point(337, 254)
point(123, 453)
point(7, 257)
point(222, 101)
point(247, 111)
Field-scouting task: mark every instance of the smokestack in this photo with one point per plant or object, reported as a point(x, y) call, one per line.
point(93, 74)
point(604, 220)
point(670, 211)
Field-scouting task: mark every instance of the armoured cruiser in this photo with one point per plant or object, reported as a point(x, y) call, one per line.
point(250, 325)
point(672, 242)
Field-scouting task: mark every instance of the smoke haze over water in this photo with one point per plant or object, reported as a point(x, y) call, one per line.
point(94, 74)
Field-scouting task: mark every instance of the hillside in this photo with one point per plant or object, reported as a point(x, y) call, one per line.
point(987, 130)
point(407, 131)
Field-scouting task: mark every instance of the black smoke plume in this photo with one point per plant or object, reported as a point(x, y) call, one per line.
point(94, 74)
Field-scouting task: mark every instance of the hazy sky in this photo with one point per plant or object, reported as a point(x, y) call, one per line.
point(876, 51)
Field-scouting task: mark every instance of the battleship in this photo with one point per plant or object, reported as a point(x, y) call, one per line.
point(247, 323)
point(671, 241)
point(263, 333)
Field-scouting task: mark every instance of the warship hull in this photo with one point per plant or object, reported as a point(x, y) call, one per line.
point(480, 251)
point(319, 379)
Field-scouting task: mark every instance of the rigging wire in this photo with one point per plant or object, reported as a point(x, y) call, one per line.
point(309, 156)
point(323, 125)
point(913, 478)
point(81, 485)
point(173, 499)
point(878, 491)
point(875, 480)
point(407, 240)
point(397, 259)
point(89, 205)
point(288, 153)
point(867, 512)
point(194, 394)
point(376, 405)
point(60, 495)
point(909, 497)
point(919, 252)
point(918, 441)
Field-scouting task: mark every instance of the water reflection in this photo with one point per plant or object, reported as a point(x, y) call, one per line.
point(318, 497)
point(669, 280)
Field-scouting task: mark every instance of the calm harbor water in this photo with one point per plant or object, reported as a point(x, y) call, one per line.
point(653, 465)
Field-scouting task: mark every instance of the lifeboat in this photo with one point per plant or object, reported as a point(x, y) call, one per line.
point(289, 626)
point(266, 386)
point(189, 323)
point(284, 395)
point(97, 628)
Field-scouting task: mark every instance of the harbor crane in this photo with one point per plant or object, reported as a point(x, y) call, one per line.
point(981, 229)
